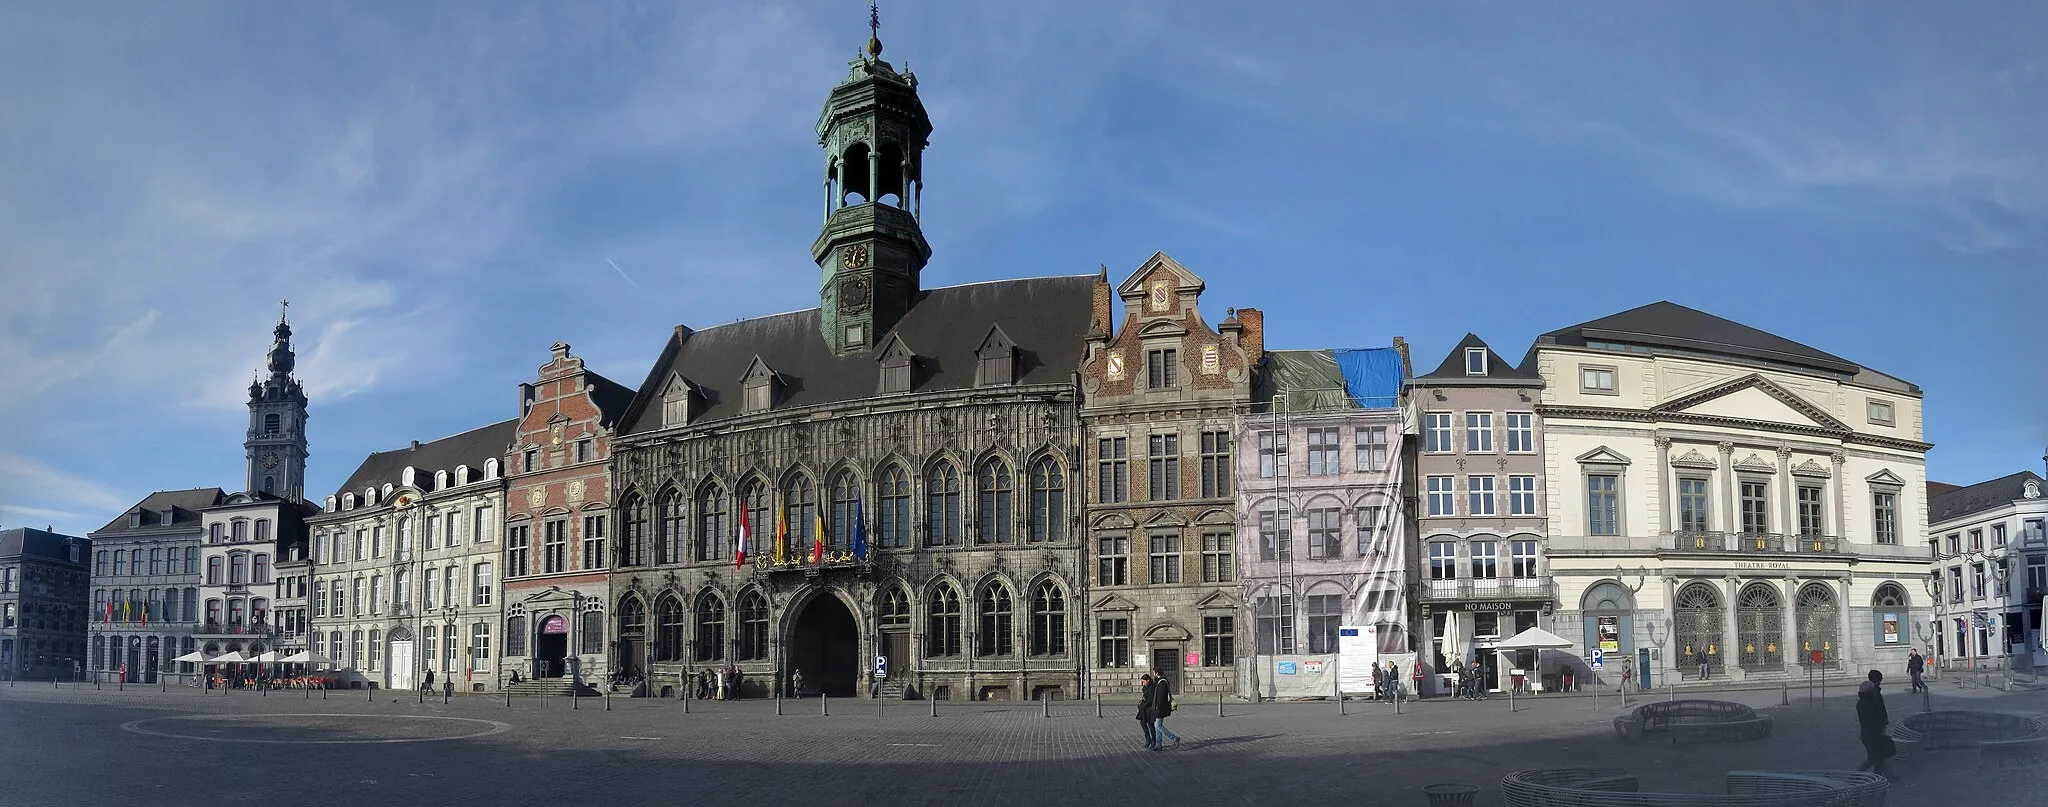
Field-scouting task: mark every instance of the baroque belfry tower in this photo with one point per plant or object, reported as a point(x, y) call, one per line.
point(874, 130)
point(277, 425)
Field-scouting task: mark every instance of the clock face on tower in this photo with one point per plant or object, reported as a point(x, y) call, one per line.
point(270, 460)
point(854, 256)
point(853, 294)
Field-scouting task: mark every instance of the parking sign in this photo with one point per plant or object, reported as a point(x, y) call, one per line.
point(1599, 659)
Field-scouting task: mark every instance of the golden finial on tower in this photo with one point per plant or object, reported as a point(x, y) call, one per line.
point(874, 30)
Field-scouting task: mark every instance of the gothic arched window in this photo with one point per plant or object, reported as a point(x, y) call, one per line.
point(996, 622)
point(998, 492)
point(672, 515)
point(942, 500)
point(632, 531)
point(710, 642)
point(1048, 500)
point(1048, 620)
point(799, 515)
point(753, 627)
point(892, 517)
point(711, 528)
point(942, 635)
point(670, 620)
point(845, 501)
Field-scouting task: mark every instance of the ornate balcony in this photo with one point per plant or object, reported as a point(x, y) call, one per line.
point(1503, 588)
point(1759, 543)
point(257, 630)
point(802, 564)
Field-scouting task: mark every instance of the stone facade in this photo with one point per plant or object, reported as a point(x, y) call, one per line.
point(559, 523)
point(1162, 391)
point(1481, 518)
point(405, 565)
point(43, 590)
point(161, 533)
point(1716, 488)
point(244, 537)
point(1990, 548)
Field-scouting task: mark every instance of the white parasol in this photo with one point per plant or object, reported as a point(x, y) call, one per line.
point(230, 657)
point(194, 657)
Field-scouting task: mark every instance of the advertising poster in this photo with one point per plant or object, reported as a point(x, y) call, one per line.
point(1891, 628)
point(1357, 648)
point(1610, 634)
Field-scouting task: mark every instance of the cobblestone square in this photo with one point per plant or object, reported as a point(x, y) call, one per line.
point(78, 747)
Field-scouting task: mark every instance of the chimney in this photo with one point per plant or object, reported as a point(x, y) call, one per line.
point(1098, 324)
point(1401, 347)
point(415, 445)
point(560, 350)
point(1253, 339)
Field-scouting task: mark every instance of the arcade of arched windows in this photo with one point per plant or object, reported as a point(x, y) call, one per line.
point(992, 502)
point(992, 619)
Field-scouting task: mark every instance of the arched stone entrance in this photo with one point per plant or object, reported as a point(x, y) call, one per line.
point(1819, 620)
point(1609, 611)
point(551, 646)
point(1760, 628)
point(824, 643)
point(1697, 628)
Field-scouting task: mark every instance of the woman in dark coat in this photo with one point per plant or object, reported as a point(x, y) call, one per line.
point(1871, 720)
point(1145, 714)
point(1162, 708)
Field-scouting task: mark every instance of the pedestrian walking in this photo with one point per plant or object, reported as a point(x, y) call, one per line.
point(1415, 670)
point(429, 685)
point(1871, 721)
point(1162, 708)
point(1393, 682)
point(721, 685)
point(1700, 657)
point(1915, 666)
point(1379, 682)
point(1147, 720)
point(796, 684)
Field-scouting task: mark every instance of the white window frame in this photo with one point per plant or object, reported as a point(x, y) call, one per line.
point(1521, 494)
point(1475, 361)
point(1439, 433)
point(1442, 494)
point(1481, 492)
point(1478, 432)
point(1521, 430)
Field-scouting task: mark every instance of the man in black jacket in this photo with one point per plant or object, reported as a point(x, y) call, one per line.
point(1915, 666)
point(1161, 697)
point(1146, 718)
point(1872, 720)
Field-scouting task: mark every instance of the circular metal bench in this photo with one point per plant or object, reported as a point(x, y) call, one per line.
point(1594, 787)
point(2000, 739)
point(1694, 721)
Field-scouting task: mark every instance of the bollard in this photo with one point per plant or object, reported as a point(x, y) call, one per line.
point(1927, 700)
point(508, 698)
point(686, 705)
point(607, 701)
point(372, 692)
point(309, 693)
point(778, 704)
point(824, 705)
point(934, 703)
point(1219, 704)
point(423, 694)
point(1044, 707)
point(1340, 703)
point(1784, 694)
point(1098, 706)
point(323, 692)
point(573, 699)
point(119, 687)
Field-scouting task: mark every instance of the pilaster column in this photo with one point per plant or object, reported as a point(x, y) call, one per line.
point(874, 174)
point(828, 198)
point(1788, 519)
point(1730, 651)
point(1665, 490)
point(1839, 491)
point(1789, 648)
point(1729, 524)
point(917, 201)
point(1845, 641)
point(903, 192)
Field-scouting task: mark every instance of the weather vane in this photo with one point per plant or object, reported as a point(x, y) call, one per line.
point(874, 30)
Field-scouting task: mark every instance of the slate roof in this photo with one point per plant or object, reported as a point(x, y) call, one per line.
point(1668, 324)
point(612, 399)
point(184, 504)
point(469, 448)
point(1047, 318)
point(1977, 498)
point(39, 543)
point(1499, 371)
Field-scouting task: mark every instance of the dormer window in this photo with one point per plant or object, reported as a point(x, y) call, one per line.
point(1475, 361)
point(166, 517)
point(491, 469)
point(408, 476)
point(370, 497)
point(760, 383)
point(462, 474)
point(897, 363)
point(675, 402)
point(135, 519)
point(998, 359)
point(440, 480)
point(348, 501)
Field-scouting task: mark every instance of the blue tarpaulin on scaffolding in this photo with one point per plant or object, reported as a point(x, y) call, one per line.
point(1372, 376)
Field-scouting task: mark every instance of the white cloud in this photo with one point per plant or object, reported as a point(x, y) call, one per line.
point(41, 490)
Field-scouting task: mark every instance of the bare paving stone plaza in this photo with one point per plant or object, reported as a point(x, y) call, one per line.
point(182, 747)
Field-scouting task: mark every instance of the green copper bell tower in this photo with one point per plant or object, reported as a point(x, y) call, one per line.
point(874, 130)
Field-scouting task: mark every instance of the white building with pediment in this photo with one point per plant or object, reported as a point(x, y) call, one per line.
point(1722, 493)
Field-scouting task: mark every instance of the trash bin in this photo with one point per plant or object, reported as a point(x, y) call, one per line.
point(1450, 795)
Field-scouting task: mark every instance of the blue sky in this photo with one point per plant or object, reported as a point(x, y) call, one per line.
point(441, 190)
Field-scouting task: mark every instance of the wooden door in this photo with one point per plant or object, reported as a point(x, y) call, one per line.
point(896, 646)
point(1166, 662)
point(402, 666)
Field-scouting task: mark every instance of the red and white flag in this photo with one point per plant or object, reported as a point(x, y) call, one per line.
point(739, 550)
